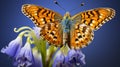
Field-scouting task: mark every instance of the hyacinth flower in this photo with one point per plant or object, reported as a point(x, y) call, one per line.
point(76, 57)
point(67, 57)
point(13, 47)
point(37, 52)
point(25, 56)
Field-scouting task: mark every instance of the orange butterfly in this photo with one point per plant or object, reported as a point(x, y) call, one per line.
point(76, 31)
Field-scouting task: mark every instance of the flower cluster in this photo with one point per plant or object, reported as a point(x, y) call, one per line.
point(36, 52)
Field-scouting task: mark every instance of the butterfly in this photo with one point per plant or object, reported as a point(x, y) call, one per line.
point(75, 31)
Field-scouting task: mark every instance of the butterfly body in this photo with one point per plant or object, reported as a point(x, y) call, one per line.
point(75, 31)
point(66, 27)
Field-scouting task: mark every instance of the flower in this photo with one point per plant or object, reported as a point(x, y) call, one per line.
point(72, 59)
point(25, 57)
point(13, 47)
point(37, 31)
point(37, 58)
point(59, 59)
point(75, 57)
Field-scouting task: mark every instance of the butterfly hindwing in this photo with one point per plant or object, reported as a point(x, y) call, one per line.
point(95, 18)
point(80, 35)
point(47, 20)
point(52, 32)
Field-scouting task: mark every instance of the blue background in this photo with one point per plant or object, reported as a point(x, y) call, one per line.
point(104, 51)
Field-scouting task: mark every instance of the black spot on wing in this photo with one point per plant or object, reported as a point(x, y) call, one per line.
point(90, 22)
point(39, 11)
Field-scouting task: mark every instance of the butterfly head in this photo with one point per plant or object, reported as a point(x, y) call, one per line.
point(66, 22)
point(66, 18)
point(67, 15)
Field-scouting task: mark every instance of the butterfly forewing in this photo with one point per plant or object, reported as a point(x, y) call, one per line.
point(39, 15)
point(95, 18)
point(47, 20)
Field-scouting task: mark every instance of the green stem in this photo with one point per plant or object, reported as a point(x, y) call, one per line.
point(50, 51)
point(42, 48)
point(41, 45)
point(23, 33)
point(22, 28)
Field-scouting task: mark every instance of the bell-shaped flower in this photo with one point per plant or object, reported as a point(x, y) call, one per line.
point(75, 57)
point(25, 57)
point(37, 58)
point(59, 60)
point(13, 47)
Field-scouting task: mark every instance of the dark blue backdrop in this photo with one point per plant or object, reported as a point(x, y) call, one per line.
point(104, 51)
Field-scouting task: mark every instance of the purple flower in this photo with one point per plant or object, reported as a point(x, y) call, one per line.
point(72, 59)
point(25, 57)
point(75, 57)
point(37, 58)
point(37, 31)
point(59, 60)
point(13, 47)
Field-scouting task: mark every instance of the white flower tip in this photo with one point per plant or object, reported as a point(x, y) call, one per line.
point(3, 50)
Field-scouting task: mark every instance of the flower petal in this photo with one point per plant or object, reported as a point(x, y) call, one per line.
point(59, 59)
point(37, 31)
point(75, 57)
point(25, 57)
point(13, 47)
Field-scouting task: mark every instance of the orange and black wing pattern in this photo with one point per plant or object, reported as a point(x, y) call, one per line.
point(47, 20)
point(82, 35)
point(95, 18)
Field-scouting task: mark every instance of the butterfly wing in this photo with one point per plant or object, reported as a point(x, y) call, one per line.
point(80, 36)
point(85, 23)
point(47, 20)
point(39, 15)
point(95, 18)
point(52, 32)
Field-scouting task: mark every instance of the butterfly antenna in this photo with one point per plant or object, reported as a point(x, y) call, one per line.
point(82, 4)
point(59, 5)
